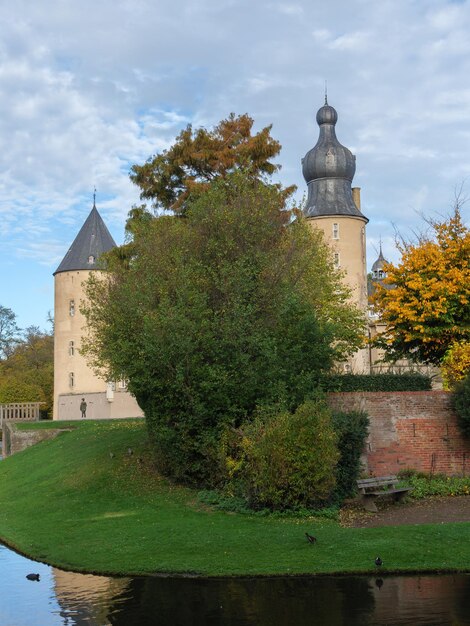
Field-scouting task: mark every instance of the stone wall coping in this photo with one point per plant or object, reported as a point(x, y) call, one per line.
point(430, 392)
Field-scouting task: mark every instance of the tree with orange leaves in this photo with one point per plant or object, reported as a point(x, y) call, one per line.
point(198, 157)
point(425, 300)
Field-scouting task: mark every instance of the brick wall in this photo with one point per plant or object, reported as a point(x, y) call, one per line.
point(409, 429)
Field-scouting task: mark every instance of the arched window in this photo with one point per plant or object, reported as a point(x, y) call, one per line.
point(71, 348)
point(71, 380)
point(72, 308)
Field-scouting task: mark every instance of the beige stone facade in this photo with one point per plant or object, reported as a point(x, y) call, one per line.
point(346, 236)
point(73, 378)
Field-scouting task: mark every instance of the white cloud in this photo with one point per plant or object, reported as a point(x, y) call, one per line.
point(87, 89)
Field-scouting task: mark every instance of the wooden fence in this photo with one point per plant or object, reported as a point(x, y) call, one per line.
point(21, 411)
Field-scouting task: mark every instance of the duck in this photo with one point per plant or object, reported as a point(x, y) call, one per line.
point(378, 561)
point(32, 577)
point(310, 538)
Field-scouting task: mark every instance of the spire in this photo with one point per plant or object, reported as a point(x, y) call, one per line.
point(92, 240)
point(377, 269)
point(329, 169)
point(326, 93)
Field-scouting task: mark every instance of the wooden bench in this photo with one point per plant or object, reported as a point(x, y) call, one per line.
point(372, 488)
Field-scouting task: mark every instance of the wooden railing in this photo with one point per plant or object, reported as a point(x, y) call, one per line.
point(21, 411)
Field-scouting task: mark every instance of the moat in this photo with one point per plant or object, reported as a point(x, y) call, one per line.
point(71, 599)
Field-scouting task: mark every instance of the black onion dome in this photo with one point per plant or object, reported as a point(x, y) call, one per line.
point(328, 169)
point(327, 115)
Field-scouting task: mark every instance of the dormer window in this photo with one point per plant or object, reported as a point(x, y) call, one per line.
point(335, 231)
point(72, 308)
point(91, 260)
point(381, 274)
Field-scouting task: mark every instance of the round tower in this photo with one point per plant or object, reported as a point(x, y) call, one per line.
point(333, 206)
point(73, 379)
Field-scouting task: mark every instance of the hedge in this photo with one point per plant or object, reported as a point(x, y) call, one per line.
point(377, 382)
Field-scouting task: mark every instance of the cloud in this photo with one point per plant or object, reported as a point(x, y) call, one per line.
point(87, 89)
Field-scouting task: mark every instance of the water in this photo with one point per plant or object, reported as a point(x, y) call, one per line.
point(66, 598)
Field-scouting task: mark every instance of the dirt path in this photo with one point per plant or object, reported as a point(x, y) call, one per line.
point(429, 511)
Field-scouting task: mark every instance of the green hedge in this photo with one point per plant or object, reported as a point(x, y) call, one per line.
point(461, 404)
point(351, 429)
point(376, 382)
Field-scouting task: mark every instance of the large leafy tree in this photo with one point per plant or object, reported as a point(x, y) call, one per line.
point(198, 157)
point(9, 332)
point(425, 300)
point(27, 375)
point(232, 307)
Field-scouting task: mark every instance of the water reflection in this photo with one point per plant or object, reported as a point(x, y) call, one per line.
point(67, 598)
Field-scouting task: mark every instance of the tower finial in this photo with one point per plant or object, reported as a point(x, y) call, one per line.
point(94, 198)
point(326, 93)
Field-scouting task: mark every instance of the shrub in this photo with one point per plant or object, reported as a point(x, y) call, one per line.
point(461, 404)
point(428, 485)
point(351, 429)
point(289, 459)
point(456, 364)
point(413, 381)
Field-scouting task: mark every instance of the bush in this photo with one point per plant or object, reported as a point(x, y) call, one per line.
point(289, 459)
point(428, 485)
point(461, 404)
point(413, 381)
point(456, 364)
point(351, 429)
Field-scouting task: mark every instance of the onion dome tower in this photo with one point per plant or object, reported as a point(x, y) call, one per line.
point(334, 207)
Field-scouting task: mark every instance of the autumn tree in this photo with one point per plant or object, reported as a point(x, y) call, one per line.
point(27, 375)
point(198, 157)
point(425, 300)
point(233, 307)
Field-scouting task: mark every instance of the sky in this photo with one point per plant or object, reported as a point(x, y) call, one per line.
point(89, 88)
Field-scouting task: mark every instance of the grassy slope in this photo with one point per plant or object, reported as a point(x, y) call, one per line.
point(67, 502)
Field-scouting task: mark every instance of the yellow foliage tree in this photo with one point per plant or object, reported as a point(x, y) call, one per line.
point(425, 299)
point(456, 364)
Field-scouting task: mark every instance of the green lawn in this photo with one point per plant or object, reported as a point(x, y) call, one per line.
point(70, 503)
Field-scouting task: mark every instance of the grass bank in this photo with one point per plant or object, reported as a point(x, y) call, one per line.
point(82, 502)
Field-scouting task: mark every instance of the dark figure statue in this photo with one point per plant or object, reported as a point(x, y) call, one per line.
point(83, 406)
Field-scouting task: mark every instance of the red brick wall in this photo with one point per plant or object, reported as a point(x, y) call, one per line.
point(409, 429)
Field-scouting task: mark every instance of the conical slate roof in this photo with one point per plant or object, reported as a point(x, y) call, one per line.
point(328, 169)
point(90, 243)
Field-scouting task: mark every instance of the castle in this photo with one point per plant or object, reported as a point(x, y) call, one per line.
point(332, 206)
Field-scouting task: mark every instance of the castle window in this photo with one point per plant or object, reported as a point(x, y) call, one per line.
point(91, 259)
point(381, 274)
point(71, 380)
point(335, 231)
point(336, 262)
point(71, 348)
point(72, 308)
